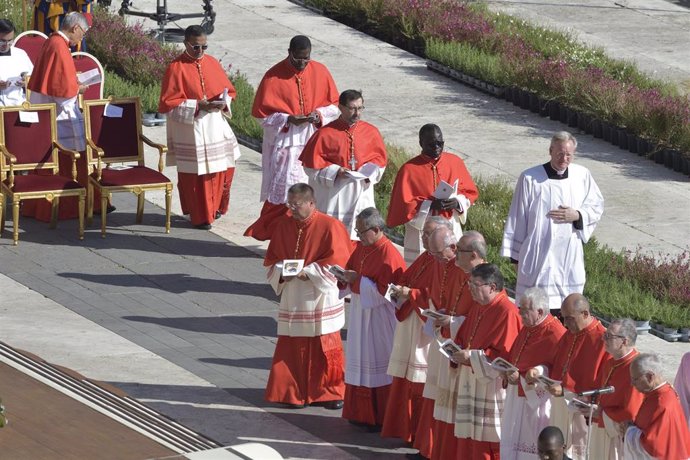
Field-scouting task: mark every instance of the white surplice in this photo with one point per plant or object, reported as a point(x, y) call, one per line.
point(200, 142)
point(606, 442)
point(308, 308)
point(632, 447)
point(12, 67)
point(410, 350)
point(282, 145)
point(572, 423)
point(549, 254)
point(344, 197)
point(523, 419)
point(371, 325)
point(70, 121)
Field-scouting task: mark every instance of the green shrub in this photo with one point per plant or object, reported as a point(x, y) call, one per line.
point(117, 86)
point(242, 121)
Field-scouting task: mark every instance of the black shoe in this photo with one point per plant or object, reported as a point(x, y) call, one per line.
point(295, 406)
point(330, 405)
point(108, 210)
point(218, 215)
point(203, 226)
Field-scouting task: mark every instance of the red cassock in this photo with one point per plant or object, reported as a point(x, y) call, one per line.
point(308, 369)
point(405, 398)
point(55, 75)
point(492, 328)
point(578, 357)
point(286, 90)
point(187, 78)
point(665, 432)
point(621, 405)
point(382, 264)
point(534, 344)
point(333, 144)
point(418, 178)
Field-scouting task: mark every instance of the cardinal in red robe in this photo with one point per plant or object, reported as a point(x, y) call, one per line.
point(195, 93)
point(344, 160)
point(308, 363)
point(296, 97)
point(413, 199)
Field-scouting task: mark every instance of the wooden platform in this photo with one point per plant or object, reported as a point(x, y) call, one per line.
point(46, 424)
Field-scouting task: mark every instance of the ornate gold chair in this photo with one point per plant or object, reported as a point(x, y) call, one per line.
point(114, 136)
point(28, 142)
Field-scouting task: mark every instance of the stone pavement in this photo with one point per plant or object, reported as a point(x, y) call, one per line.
point(185, 322)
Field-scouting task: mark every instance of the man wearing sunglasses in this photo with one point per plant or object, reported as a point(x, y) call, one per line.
point(295, 98)
point(195, 95)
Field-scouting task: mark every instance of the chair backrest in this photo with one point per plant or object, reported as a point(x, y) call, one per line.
point(84, 62)
point(119, 137)
point(31, 143)
point(31, 41)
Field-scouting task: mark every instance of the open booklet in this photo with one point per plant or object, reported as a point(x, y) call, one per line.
point(501, 365)
point(90, 77)
point(292, 267)
point(433, 314)
point(446, 191)
point(367, 171)
point(448, 347)
point(547, 382)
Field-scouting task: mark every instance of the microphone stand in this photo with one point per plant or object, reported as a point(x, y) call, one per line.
point(592, 402)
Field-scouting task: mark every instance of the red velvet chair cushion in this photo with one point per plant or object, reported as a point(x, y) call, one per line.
point(84, 64)
point(29, 142)
point(118, 137)
point(39, 183)
point(137, 175)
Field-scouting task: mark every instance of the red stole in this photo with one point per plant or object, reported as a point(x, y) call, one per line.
point(333, 144)
point(188, 78)
point(492, 327)
point(621, 405)
point(532, 343)
point(577, 358)
point(320, 238)
point(665, 432)
point(283, 89)
point(54, 73)
point(418, 276)
point(418, 178)
point(380, 262)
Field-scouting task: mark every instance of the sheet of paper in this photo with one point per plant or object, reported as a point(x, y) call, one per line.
point(445, 191)
point(119, 167)
point(547, 382)
point(502, 365)
point(112, 111)
point(90, 77)
point(28, 117)
point(390, 293)
point(15, 81)
point(292, 267)
point(356, 175)
point(429, 313)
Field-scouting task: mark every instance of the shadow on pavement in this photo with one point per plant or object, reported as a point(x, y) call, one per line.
point(237, 325)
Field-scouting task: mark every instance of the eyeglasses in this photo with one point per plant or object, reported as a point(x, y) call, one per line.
point(6, 42)
point(295, 205)
point(608, 336)
point(478, 285)
point(83, 31)
point(198, 47)
point(464, 250)
point(362, 232)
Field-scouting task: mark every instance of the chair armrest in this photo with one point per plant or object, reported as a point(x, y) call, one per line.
point(100, 153)
point(12, 159)
point(72, 153)
point(162, 150)
point(6, 153)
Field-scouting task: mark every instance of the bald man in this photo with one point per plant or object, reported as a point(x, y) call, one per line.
point(551, 445)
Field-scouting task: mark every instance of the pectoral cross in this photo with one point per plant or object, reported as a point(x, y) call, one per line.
point(353, 160)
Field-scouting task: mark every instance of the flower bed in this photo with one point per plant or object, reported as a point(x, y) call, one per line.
point(505, 51)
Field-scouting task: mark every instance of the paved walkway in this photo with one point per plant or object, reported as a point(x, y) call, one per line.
point(185, 322)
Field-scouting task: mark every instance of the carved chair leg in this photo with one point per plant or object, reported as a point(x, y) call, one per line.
point(168, 205)
point(89, 204)
point(2, 214)
point(82, 199)
point(140, 207)
point(104, 209)
point(15, 220)
point(55, 207)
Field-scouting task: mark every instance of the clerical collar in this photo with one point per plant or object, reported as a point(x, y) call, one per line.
point(553, 174)
point(63, 36)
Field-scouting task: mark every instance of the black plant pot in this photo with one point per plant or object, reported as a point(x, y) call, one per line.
point(633, 143)
point(554, 110)
point(644, 147)
point(517, 96)
point(597, 128)
point(668, 157)
point(524, 99)
point(544, 107)
point(509, 93)
point(607, 131)
point(563, 114)
point(623, 139)
point(584, 122)
point(678, 161)
point(614, 135)
point(659, 156)
point(685, 165)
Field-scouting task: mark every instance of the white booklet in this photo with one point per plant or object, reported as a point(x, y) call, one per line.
point(547, 382)
point(433, 314)
point(90, 77)
point(446, 191)
point(448, 347)
point(502, 365)
point(292, 267)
